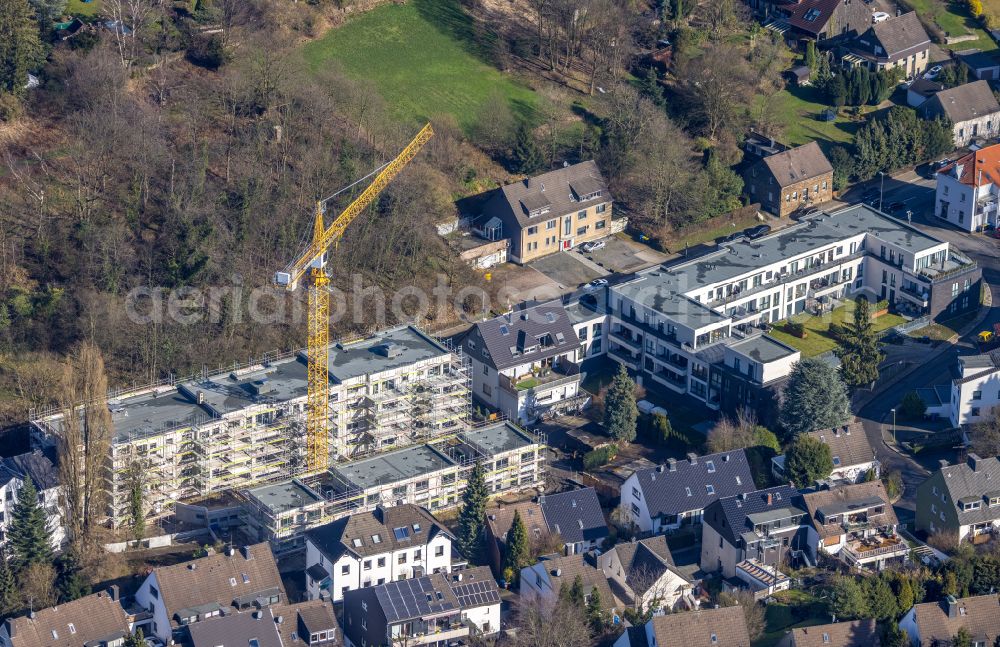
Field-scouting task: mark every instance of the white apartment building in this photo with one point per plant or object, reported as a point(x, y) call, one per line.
point(233, 429)
point(432, 476)
point(372, 548)
point(967, 190)
point(39, 466)
point(975, 394)
point(682, 328)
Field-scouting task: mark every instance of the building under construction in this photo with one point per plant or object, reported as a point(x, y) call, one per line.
point(231, 430)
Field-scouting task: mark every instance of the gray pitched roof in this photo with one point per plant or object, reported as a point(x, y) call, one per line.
point(560, 191)
point(517, 338)
point(848, 444)
point(730, 517)
point(396, 527)
point(797, 164)
point(36, 464)
point(682, 486)
point(645, 561)
point(440, 592)
point(962, 103)
point(575, 515)
point(236, 630)
point(900, 34)
point(990, 363)
point(975, 479)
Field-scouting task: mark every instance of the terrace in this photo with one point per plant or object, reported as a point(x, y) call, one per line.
point(762, 576)
point(878, 547)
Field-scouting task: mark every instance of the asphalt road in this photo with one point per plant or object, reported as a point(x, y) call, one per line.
point(917, 194)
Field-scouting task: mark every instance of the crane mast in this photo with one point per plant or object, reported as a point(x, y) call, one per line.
point(313, 261)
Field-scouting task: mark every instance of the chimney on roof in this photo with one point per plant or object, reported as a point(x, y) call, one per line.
point(279, 619)
point(951, 606)
point(458, 577)
point(113, 592)
point(201, 397)
point(692, 458)
point(247, 555)
point(975, 462)
point(192, 566)
point(230, 551)
point(258, 614)
point(770, 498)
point(725, 458)
point(11, 631)
point(672, 463)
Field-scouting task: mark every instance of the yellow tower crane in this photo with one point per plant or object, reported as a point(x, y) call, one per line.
point(313, 260)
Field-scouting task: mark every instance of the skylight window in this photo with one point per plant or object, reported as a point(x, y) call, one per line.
point(401, 533)
point(710, 488)
point(416, 527)
point(376, 539)
point(711, 466)
point(811, 15)
point(504, 330)
point(254, 642)
point(551, 317)
point(715, 639)
point(72, 628)
point(826, 638)
point(246, 578)
point(836, 461)
point(232, 581)
point(357, 542)
point(739, 481)
point(688, 490)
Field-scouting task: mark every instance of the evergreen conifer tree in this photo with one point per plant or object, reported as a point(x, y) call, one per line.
point(20, 46)
point(860, 353)
point(29, 534)
point(517, 548)
point(10, 595)
point(70, 581)
point(620, 412)
point(595, 616)
point(470, 521)
point(136, 640)
point(575, 594)
point(527, 157)
point(815, 398)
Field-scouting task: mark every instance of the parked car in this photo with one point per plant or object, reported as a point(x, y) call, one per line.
point(594, 245)
point(933, 72)
point(897, 206)
point(596, 284)
point(880, 16)
point(753, 233)
point(736, 235)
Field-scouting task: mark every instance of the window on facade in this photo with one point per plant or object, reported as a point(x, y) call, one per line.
point(581, 215)
point(532, 230)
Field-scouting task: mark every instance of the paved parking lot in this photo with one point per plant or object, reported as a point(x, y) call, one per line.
point(567, 269)
point(623, 255)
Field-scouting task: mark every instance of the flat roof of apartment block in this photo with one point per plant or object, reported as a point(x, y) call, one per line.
point(391, 467)
point(282, 497)
point(494, 439)
point(167, 407)
point(763, 348)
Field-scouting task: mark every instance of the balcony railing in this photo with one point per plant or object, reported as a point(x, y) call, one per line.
point(624, 338)
point(955, 264)
point(565, 372)
point(787, 277)
point(623, 355)
point(856, 551)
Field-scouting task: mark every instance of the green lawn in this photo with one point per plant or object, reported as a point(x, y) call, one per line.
point(799, 110)
point(818, 338)
point(696, 235)
point(954, 19)
point(944, 330)
point(420, 58)
point(81, 8)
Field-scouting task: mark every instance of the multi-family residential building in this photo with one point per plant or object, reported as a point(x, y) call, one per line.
point(787, 181)
point(937, 623)
point(748, 536)
point(372, 548)
point(97, 620)
point(550, 212)
point(967, 190)
point(975, 395)
point(961, 500)
point(233, 429)
point(589, 316)
point(643, 576)
point(856, 523)
point(900, 42)
point(719, 627)
point(678, 327)
point(853, 633)
point(432, 476)
point(526, 363)
point(971, 108)
point(852, 454)
point(295, 625)
point(435, 610)
point(668, 496)
point(244, 579)
point(40, 467)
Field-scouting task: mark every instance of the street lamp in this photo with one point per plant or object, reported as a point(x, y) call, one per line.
point(893, 426)
point(881, 190)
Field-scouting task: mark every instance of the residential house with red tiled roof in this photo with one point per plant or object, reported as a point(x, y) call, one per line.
point(968, 189)
point(97, 619)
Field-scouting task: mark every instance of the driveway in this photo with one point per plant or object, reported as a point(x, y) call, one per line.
point(621, 254)
point(567, 270)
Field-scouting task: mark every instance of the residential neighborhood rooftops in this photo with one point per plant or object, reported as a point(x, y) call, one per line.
point(900, 36)
point(236, 629)
point(797, 164)
point(303, 620)
point(856, 633)
point(733, 516)
point(972, 481)
point(382, 530)
point(575, 515)
point(691, 484)
point(723, 627)
point(528, 335)
point(501, 518)
point(939, 622)
point(556, 192)
point(419, 597)
point(977, 168)
point(824, 504)
point(848, 444)
point(496, 438)
point(220, 579)
point(564, 569)
point(389, 467)
point(962, 103)
point(92, 619)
